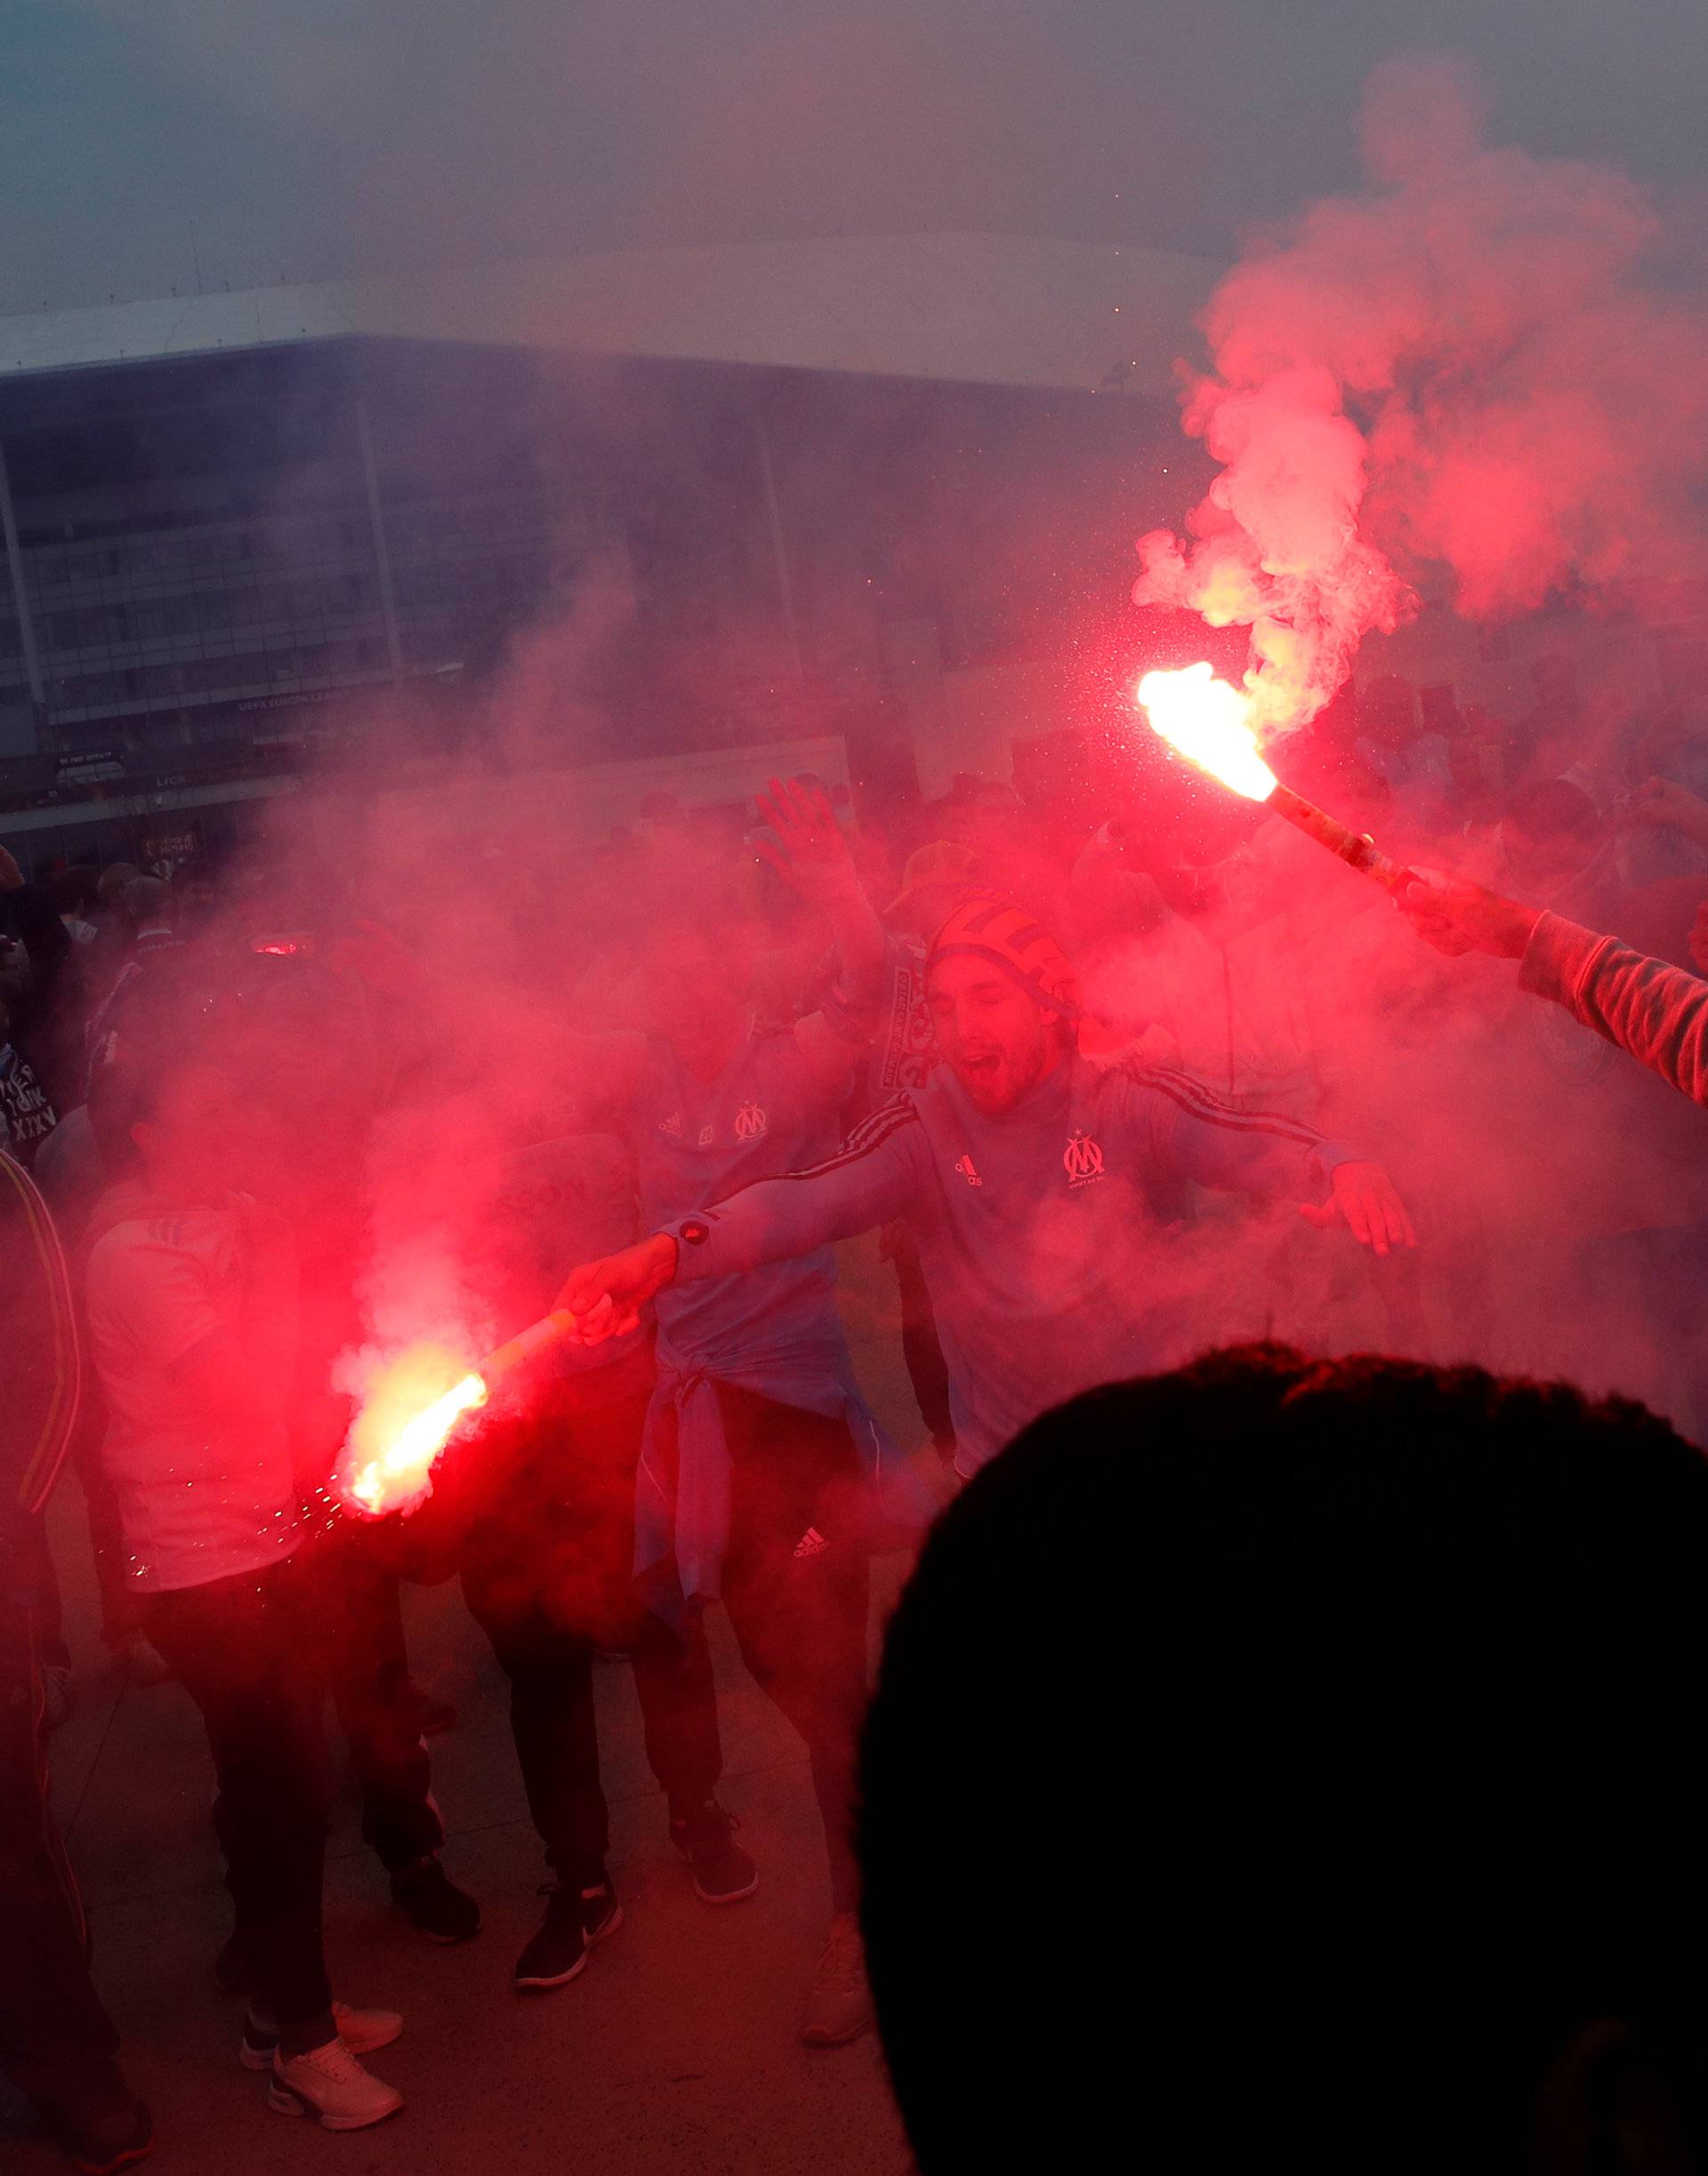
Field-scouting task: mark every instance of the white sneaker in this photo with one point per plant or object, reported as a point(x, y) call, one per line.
point(362, 2031)
point(330, 2085)
point(839, 2004)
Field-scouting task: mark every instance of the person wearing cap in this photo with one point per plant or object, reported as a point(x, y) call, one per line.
point(1037, 1185)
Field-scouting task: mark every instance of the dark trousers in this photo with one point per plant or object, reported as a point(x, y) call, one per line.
point(57, 2043)
point(797, 1587)
point(548, 1576)
point(921, 1347)
point(366, 1664)
point(243, 1649)
point(121, 1609)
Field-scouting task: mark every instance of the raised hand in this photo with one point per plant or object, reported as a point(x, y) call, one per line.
point(811, 854)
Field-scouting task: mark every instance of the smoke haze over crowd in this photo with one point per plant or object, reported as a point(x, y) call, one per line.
point(660, 893)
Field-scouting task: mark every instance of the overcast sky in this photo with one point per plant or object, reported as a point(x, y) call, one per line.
point(275, 139)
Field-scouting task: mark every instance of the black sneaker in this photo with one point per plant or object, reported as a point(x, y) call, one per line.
point(558, 1952)
point(601, 1914)
point(99, 2145)
point(723, 1872)
point(429, 1899)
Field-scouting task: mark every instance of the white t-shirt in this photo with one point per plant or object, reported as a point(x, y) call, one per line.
point(200, 1497)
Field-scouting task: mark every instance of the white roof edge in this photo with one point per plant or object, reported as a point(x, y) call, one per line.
point(979, 308)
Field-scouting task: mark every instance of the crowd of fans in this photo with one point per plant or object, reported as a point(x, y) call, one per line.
point(1114, 1088)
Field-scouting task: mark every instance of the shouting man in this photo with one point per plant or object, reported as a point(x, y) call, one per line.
point(1036, 1184)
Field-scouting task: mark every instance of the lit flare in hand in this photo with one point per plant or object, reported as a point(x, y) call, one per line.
point(407, 1419)
point(1209, 723)
point(408, 1413)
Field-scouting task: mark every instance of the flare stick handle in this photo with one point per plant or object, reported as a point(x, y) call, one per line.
point(1356, 849)
point(538, 1337)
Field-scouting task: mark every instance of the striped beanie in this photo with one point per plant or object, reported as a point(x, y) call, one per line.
point(993, 929)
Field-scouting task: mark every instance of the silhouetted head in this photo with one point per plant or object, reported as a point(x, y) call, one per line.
point(1284, 1763)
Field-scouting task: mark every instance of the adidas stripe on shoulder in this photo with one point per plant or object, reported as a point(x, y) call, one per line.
point(1193, 1097)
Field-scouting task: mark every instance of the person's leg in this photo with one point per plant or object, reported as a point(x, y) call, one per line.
point(679, 1706)
point(239, 1647)
point(366, 1665)
point(550, 1666)
point(599, 1454)
point(797, 1586)
point(57, 2042)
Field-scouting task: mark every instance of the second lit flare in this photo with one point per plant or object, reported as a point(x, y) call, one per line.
point(1209, 723)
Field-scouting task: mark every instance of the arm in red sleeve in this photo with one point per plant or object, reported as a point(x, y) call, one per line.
point(1657, 1013)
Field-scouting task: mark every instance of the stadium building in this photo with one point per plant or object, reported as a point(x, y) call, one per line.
point(590, 512)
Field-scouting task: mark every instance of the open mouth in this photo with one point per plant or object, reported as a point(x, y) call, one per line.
point(982, 1068)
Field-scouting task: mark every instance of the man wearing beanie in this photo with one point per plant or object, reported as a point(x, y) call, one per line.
point(1039, 1187)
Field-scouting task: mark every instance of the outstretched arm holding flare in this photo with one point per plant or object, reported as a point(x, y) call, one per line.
point(1656, 1012)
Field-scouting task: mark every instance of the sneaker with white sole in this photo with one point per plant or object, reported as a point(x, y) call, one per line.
point(723, 1872)
point(575, 1919)
point(839, 2004)
point(328, 2085)
point(364, 2032)
point(601, 1914)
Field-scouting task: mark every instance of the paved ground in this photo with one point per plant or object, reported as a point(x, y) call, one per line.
point(675, 2052)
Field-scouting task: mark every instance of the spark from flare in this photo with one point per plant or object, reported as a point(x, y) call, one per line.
point(1208, 722)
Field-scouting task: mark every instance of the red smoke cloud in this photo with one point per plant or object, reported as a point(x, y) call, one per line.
point(1476, 366)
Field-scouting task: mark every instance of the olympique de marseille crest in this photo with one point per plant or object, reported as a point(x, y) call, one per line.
point(750, 1123)
point(1082, 1160)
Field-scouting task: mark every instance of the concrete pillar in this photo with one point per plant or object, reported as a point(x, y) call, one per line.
point(381, 550)
point(20, 594)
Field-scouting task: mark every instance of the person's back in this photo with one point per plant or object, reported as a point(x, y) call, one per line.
point(1378, 1782)
point(202, 1493)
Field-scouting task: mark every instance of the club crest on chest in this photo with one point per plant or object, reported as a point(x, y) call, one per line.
point(1082, 1159)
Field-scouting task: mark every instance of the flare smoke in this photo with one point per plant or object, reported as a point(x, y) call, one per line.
point(1476, 370)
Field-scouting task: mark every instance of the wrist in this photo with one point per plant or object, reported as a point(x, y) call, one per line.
point(666, 1256)
point(1517, 927)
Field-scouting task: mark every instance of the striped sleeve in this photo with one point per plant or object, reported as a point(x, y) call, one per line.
point(1216, 1144)
point(871, 1178)
point(40, 1406)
